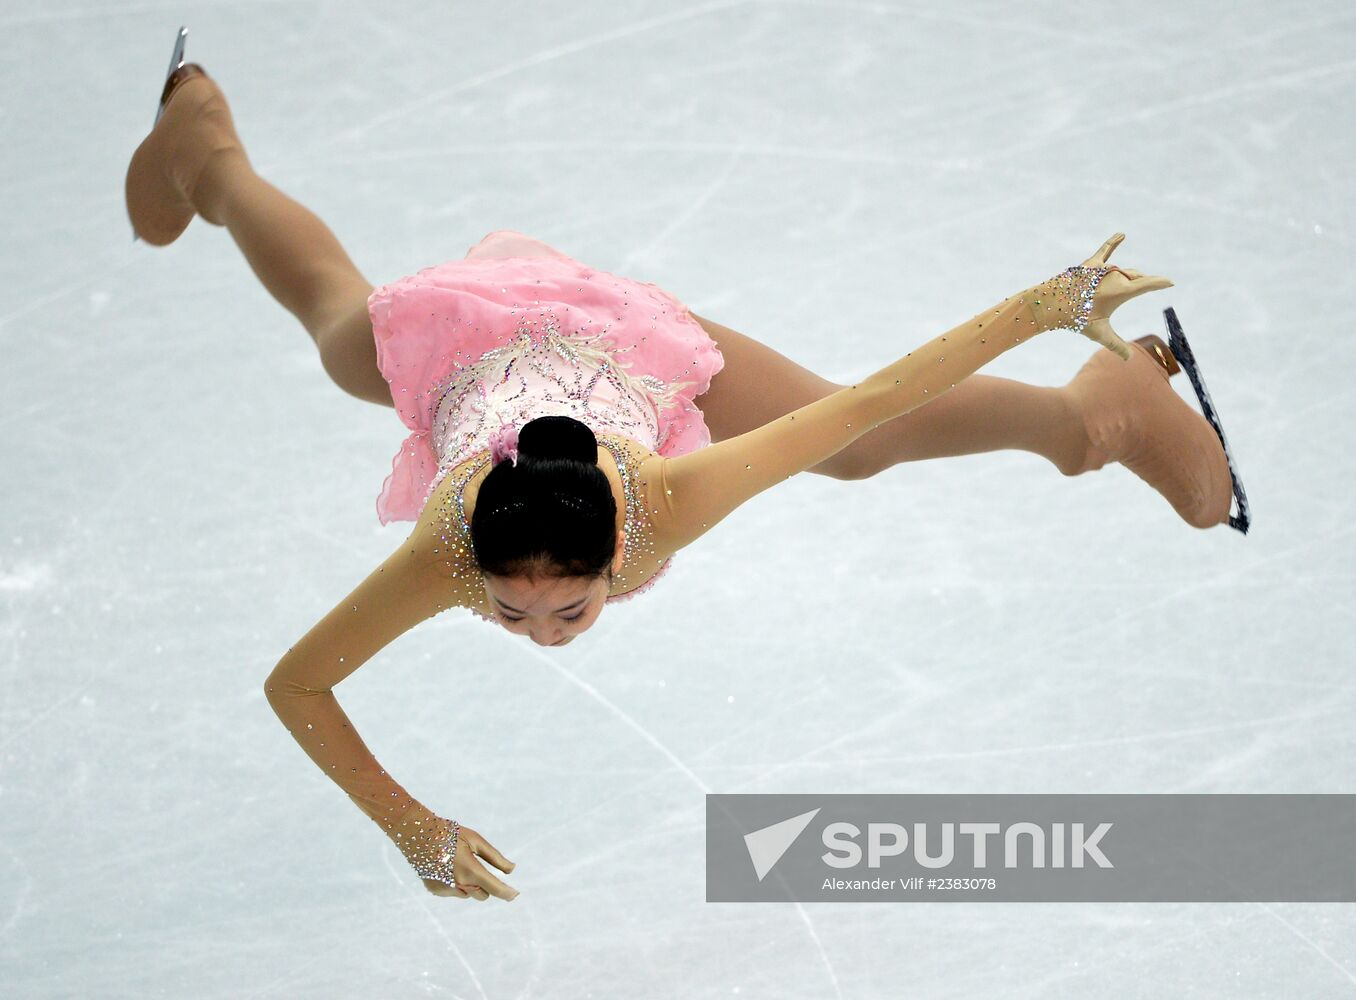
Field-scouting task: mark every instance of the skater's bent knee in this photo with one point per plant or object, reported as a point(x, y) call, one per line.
point(348, 353)
point(853, 462)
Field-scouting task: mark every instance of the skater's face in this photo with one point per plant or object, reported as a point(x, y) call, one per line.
point(551, 611)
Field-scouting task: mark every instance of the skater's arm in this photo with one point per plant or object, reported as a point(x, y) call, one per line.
point(689, 494)
point(405, 589)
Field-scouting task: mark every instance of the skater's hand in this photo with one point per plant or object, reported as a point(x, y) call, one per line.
point(473, 879)
point(1117, 286)
point(1058, 304)
point(421, 833)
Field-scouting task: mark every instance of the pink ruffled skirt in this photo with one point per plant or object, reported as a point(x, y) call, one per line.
point(431, 324)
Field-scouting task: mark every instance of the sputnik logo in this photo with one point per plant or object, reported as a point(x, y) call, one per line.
point(766, 846)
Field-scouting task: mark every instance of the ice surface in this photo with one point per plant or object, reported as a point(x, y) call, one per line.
point(186, 492)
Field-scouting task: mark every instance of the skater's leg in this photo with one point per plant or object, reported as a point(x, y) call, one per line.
point(303, 266)
point(982, 413)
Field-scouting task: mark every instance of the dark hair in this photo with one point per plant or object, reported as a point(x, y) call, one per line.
point(553, 513)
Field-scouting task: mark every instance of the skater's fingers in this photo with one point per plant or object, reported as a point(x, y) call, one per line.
point(1138, 276)
point(1099, 330)
point(484, 849)
point(443, 889)
point(1120, 347)
point(458, 891)
point(1135, 284)
point(1121, 283)
point(479, 876)
point(1105, 251)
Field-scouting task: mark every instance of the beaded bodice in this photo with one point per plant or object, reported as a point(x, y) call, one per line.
point(547, 373)
point(538, 374)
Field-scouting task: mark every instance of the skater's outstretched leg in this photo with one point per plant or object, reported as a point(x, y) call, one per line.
point(1111, 411)
point(194, 163)
point(301, 263)
point(982, 413)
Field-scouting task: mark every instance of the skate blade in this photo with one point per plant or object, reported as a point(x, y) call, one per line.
point(1181, 350)
point(176, 60)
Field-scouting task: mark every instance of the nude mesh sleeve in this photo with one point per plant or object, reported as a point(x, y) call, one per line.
point(413, 584)
point(690, 494)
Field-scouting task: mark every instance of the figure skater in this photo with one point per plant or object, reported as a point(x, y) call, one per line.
point(557, 457)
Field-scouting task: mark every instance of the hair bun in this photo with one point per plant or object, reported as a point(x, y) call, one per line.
point(558, 437)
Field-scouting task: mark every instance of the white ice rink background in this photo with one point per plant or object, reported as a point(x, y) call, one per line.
point(186, 493)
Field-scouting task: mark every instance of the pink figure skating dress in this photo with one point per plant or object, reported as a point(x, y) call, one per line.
point(519, 330)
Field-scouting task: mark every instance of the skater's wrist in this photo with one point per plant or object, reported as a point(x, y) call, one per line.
point(428, 842)
point(1063, 302)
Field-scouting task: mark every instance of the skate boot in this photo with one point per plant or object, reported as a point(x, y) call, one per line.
point(193, 126)
point(1133, 416)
